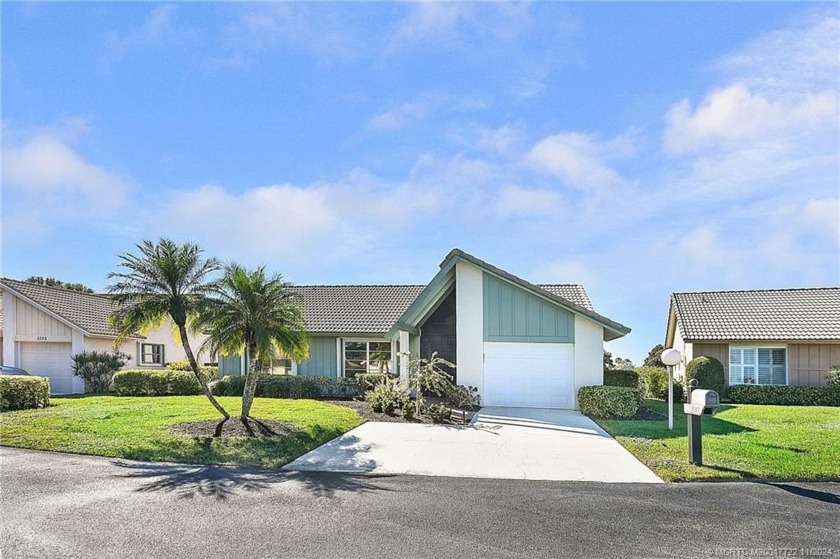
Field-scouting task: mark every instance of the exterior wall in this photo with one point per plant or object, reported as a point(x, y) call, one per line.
point(9, 312)
point(514, 315)
point(230, 365)
point(686, 349)
point(32, 324)
point(323, 358)
point(589, 354)
point(809, 363)
point(470, 325)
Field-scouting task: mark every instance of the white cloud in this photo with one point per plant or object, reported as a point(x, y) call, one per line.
point(733, 115)
point(421, 108)
point(703, 249)
point(570, 270)
point(502, 141)
point(581, 160)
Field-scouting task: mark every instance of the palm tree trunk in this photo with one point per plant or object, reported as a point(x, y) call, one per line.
point(250, 389)
point(182, 330)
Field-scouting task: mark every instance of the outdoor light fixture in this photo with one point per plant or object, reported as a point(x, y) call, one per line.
point(671, 357)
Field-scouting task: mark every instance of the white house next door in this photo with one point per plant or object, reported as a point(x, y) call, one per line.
point(529, 375)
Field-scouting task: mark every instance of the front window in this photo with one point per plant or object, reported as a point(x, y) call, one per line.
point(277, 366)
point(151, 354)
point(367, 357)
point(762, 365)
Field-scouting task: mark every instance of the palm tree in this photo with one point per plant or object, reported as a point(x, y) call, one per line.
point(166, 280)
point(256, 314)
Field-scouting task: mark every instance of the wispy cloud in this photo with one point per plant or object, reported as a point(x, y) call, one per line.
point(158, 27)
point(582, 160)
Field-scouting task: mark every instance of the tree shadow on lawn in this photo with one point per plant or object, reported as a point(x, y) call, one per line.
point(188, 481)
point(658, 429)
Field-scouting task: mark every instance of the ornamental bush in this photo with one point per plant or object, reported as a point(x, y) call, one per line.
point(438, 413)
point(20, 392)
point(296, 388)
point(783, 395)
point(231, 385)
point(621, 377)
point(609, 401)
point(97, 368)
point(709, 373)
point(336, 387)
point(387, 396)
point(463, 397)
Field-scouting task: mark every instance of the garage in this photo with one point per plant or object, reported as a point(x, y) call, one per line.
point(529, 375)
point(49, 359)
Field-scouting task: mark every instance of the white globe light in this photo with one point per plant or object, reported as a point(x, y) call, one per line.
point(671, 357)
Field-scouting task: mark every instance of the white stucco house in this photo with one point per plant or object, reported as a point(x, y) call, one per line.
point(43, 326)
point(520, 344)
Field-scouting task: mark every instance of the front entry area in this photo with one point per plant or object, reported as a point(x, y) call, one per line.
point(529, 375)
point(51, 360)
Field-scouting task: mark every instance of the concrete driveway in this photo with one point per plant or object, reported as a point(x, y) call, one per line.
point(502, 443)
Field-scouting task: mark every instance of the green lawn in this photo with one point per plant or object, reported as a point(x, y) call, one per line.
point(138, 428)
point(740, 442)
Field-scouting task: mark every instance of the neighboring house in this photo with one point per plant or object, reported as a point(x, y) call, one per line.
point(774, 336)
point(520, 344)
point(43, 326)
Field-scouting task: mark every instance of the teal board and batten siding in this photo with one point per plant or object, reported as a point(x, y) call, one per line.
point(322, 358)
point(512, 314)
point(230, 365)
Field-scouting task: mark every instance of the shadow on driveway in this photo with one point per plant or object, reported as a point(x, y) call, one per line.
point(189, 481)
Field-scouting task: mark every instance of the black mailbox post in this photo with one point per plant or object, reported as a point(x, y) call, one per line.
point(700, 403)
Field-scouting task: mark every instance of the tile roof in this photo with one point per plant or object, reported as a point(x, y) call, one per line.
point(358, 309)
point(773, 314)
point(87, 311)
point(346, 309)
point(571, 292)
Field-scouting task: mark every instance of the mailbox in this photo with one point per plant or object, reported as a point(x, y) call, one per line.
point(702, 402)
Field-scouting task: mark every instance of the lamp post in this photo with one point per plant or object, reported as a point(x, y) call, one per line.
point(671, 357)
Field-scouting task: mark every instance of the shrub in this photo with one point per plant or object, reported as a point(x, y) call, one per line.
point(833, 376)
point(20, 392)
point(180, 365)
point(408, 409)
point(459, 396)
point(97, 368)
point(709, 373)
point(210, 373)
point(231, 385)
point(387, 396)
point(438, 413)
point(609, 401)
point(367, 381)
point(336, 387)
point(274, 386)
point(156, 382)
point(783, 395)
point(653, 381)
point(621, 377)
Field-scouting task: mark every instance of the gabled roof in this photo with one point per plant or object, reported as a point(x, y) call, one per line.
point(770, 314)
point(360, 309)
point(85, 311)
point(572, 297)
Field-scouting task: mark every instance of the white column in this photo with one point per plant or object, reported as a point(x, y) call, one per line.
point(77, 345)
point(10, 357)
point(405, 355)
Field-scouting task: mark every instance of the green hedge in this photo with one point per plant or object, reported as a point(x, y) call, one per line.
point(621, 377)
point(783, 395)
point(653, 383)
point(271, 386)
point(20, 392)
point(609, 401)
point(709, 373)
point(156, 382)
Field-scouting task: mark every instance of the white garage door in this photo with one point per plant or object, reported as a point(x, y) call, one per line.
point(529, 375)
point(50, 360)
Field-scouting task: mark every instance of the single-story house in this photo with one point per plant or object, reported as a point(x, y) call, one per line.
point(520, 344)
point(772, 336)
point(43, 326)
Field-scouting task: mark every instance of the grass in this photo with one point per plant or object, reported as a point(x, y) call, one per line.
point(139, 429)
point(740, 442)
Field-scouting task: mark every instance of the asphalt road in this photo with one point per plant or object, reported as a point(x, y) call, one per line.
point(57, 505)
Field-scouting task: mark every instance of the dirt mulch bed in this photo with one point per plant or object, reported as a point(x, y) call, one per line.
point(235, 427)
point(647, 414)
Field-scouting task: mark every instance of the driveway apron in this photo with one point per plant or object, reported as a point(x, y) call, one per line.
point(501, 443)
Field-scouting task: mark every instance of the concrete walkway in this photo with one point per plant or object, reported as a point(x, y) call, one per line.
point(502, 443)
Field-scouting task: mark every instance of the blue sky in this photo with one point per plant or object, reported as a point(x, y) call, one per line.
point(639, 149)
